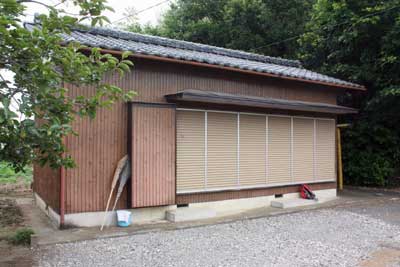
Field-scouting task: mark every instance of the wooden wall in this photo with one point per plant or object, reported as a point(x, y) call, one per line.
point(247, 193)
point(46, 184)
point(152, 80)
point(101, 143)
point(103, 140)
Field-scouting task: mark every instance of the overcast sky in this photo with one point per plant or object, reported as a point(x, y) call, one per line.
point(149, 16)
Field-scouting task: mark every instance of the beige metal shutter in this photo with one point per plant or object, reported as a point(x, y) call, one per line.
point(222, 150)
point(190, 154)
point(303, 149)
point(252, 150)
point(325, 150)
point(279, 150)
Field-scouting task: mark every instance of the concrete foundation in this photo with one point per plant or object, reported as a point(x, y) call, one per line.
point(190, 214)
point(52, 214)
point(142, 215)
point(206, 210)
point(321, 197)
point(90, 219)
point(195, 211)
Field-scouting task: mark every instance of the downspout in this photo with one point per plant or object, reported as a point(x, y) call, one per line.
point(129, 145)
point(62, 183)
point(62, 196)
point(62, 192)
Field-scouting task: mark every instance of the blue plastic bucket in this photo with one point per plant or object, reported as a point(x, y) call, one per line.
point(124, 218)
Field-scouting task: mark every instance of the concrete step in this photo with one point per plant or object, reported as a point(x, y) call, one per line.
point(293, 203)
point(190, 214)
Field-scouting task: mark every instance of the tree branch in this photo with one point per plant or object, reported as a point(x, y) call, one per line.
point(35, 2)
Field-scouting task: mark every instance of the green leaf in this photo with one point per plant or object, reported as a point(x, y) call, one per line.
point(126, 54)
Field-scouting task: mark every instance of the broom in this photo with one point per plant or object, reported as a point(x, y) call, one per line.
point(125, 174)
point(120, 165)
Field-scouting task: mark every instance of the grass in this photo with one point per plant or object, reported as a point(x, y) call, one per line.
point(21, 237)
point(8, 176)
point(12, 227)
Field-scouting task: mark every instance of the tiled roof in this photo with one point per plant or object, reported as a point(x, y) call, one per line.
point(169, 48)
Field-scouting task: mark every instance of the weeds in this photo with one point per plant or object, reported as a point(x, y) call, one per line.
point(22, 237)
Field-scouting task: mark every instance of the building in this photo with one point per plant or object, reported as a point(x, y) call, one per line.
point(209, 124)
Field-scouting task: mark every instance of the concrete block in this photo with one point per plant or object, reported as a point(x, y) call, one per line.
point(190, 214)
point(292, 203)
point(235, 206)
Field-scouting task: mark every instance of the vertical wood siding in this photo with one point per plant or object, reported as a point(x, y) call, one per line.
point(101, 143)
point(153, 155)
point(103, 140)
point(46, 184)
point(154, 79)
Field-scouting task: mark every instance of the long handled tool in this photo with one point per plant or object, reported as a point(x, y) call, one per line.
point(125, 174)
point(120, 165)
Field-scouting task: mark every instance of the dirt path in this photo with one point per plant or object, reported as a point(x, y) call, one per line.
point(13, 216)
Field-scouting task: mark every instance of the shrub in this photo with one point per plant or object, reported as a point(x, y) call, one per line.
point(371, 153)
point(22, 237)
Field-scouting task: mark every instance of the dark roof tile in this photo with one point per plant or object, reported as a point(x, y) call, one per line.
point(169, 48)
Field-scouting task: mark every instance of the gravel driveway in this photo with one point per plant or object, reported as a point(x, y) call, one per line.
point(327, 237)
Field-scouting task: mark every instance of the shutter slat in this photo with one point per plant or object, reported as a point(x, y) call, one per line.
point(222, 150)
point(252, 169)
point(279, 150)
point(190, 150)
point(325, 150)
point(303, 158)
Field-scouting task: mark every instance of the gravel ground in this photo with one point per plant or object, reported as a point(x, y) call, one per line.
point(330, 237)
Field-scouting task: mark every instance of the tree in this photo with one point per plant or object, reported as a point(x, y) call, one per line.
point(249, 25)
point(359, 40)
point(41, 65)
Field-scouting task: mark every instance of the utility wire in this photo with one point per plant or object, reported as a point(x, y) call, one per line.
point(140, 11)
point(333, 26)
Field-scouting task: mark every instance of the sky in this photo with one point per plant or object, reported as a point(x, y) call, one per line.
point(151, 15)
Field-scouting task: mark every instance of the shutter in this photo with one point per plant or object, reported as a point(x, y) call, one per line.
point(190, 154)
point(279, 149)
point(222, 150)
point(252, 150)
point(303, 143)
point(325, 150)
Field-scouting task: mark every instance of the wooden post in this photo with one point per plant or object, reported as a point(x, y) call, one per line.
point(339, 152)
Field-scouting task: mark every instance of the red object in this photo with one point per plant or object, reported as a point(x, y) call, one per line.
point(306, 193)
point(62, 192)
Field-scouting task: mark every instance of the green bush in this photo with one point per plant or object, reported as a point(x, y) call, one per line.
point(371, 153)
point(368, 169)
point(22, 237)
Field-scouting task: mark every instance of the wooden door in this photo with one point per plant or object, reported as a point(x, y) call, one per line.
point(152, 154)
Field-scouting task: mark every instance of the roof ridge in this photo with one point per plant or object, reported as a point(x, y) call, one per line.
point(181, 50)
point(181, 44)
